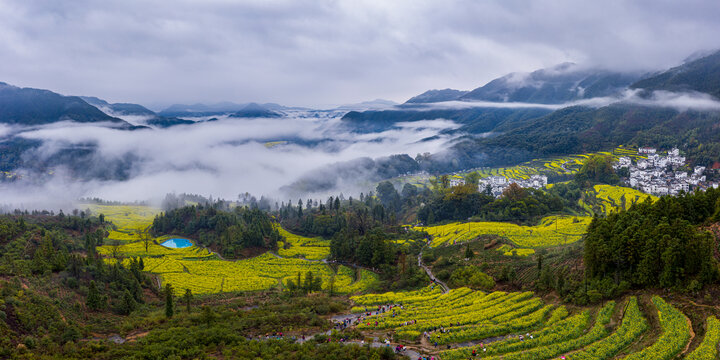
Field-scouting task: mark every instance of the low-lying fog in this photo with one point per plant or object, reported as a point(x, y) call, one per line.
point(221, 158)
point(230, 156)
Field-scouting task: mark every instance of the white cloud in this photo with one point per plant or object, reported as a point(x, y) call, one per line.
point(221, 158)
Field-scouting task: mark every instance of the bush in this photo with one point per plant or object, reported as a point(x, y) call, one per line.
point(471, 276)
point(443, 275)
point(30, 342)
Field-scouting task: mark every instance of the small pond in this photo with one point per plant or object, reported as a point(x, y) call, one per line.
point(177, 243)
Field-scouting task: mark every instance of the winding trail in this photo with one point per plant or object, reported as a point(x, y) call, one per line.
point(444, 286)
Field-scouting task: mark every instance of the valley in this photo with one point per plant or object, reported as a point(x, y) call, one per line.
point(368, 180)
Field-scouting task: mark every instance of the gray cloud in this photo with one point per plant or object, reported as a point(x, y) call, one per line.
point(329, 52)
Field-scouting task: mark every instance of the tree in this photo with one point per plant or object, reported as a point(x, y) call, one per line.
point(472, 178)
point(169, 309)
point(597, 169)
point(300, 205)
point(146, 239)
point(312, 283)
point(409, 191)
point(388, 196)
point(540, 255)
point(514, 192)
point(115, 249)
point(128, 303)
point(208, 315)
point(471, 276)
point(469, 254)
point(187, 298)
point(95, 301)
point(331, 286)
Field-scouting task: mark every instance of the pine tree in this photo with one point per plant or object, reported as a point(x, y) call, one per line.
point(188, 299)
point(169, 309)
point(128, 304)
point(331, 285)
point(94, 300)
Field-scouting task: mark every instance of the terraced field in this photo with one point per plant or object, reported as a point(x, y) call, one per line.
point(551, 231)
point(551, 167)
point(508, 250)
point(203, 272)
point(616, 198)
point(130, 220)
point(520, 326)
point(303, 247)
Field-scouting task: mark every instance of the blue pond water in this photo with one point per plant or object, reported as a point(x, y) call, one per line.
point(177, 243)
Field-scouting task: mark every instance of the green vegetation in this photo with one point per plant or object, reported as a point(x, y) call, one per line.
point(255, 278)
point(654, 244)
point(229, 231)
point(597, 169)
point(471, 276)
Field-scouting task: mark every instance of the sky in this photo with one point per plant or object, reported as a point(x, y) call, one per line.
point(324, 53)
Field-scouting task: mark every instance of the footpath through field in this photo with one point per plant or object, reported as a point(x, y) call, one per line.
point(444, 286)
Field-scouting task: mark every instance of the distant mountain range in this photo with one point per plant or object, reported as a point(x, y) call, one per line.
point(494, 135)
point(27, 106)
point(560, 84)
point(254, 110)
point(224, 108)
point(147, 116)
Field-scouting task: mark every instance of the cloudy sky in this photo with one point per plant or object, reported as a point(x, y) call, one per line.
point(323, 53)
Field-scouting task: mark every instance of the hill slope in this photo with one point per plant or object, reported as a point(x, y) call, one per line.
point(556, 85)
point(27, 106)
point(701, 75)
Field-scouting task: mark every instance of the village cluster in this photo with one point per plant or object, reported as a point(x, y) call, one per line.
point(663, 175)
point(497, 184)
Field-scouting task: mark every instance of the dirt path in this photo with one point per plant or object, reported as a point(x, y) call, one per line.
point(692, 334)
point(444, 286)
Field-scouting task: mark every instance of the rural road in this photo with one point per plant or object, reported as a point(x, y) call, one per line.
point(444, 286)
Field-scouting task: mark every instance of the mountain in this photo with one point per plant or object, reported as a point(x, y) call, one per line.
point(560, 84)
point(254, 110)
point(701, 75)
point(432, 96)
point(118, 108)
point(197, 110)
point(27, 106)
point(376, 104)
point(578, 129)
point(221, 108)
point(165, 122)
point(472, 120)
point(135, 113)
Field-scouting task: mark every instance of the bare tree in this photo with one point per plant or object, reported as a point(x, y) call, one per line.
point(146, 238)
